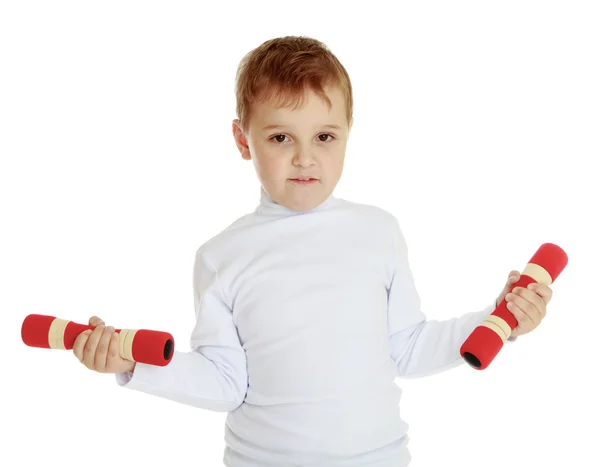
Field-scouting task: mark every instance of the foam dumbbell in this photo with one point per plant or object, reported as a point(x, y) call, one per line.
point(487, 339)
point(138, 345)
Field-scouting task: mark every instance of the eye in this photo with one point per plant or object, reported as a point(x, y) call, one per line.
point(278, 136)
point(327, 134)
point(278, 140)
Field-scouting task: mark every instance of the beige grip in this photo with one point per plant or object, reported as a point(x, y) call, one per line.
point(126, 343)
point(499, 326)
point(56, 334)
point(535, 271)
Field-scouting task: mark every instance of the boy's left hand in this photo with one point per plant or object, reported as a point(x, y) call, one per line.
point(528, 305)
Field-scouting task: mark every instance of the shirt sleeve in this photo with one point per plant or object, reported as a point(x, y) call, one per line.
point(213, 374)
point(422, 347)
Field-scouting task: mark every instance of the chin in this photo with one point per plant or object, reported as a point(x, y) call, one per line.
point(307, 204)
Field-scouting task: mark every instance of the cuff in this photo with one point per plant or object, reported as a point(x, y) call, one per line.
point(140, 374)
point(123, 378)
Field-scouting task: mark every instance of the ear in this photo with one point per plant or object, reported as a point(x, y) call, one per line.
point(240, 140)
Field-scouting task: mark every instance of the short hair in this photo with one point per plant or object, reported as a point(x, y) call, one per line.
point(288, 67)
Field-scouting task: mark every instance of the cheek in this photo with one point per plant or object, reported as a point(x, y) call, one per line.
point(335, 164)
point(271, 167)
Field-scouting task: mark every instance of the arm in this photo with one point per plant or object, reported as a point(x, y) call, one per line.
point(213, 374)
point(422, 347)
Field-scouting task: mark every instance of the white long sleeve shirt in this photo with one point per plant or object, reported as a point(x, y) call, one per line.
point(303, 322)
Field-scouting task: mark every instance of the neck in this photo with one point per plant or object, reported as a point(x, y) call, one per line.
point(269, 207)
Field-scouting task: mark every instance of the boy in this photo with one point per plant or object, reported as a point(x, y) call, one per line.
point(306, 309)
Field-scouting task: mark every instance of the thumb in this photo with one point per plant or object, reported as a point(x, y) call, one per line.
point(513, 276)
point(95, 321)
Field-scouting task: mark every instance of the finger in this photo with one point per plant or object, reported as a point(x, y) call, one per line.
point(114, 347)
point(531, 299)
point(89, 350)
point(79, 344)
point(530, 304)
point(525, 306)
point(101, 355)
point(95, 321)
point(513, 276)
point(522, 318)
point(117, 364)
point(542, 290)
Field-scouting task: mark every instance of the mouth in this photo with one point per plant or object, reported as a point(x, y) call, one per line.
point(304, 181)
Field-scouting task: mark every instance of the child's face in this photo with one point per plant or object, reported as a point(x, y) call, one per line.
point(303, 146)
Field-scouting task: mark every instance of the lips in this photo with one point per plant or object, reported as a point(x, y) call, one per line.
point(303, 180)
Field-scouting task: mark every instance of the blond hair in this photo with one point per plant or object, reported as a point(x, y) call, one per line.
point(288, 67)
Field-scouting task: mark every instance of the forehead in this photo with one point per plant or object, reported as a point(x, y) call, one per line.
point(287, 108)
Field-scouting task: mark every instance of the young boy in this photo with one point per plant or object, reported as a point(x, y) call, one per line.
point(306, 308)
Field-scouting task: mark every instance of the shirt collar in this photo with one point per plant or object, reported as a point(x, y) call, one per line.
point(268, 207)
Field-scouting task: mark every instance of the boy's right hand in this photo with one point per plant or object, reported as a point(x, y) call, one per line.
point(98, 349)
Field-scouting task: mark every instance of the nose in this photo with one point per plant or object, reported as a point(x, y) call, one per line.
point(304, 158)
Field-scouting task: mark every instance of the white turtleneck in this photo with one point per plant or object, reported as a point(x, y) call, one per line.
point(303, 322)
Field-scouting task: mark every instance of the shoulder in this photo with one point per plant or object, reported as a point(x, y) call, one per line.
point(383, 224)
point(219, 244)
point(372, 213)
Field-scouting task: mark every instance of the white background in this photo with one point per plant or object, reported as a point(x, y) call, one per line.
point(476, 123)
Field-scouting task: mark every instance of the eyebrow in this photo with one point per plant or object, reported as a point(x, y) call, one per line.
point(274, 127)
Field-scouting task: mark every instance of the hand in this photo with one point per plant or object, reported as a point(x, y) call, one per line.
point(98, 349)
point(528, 305)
